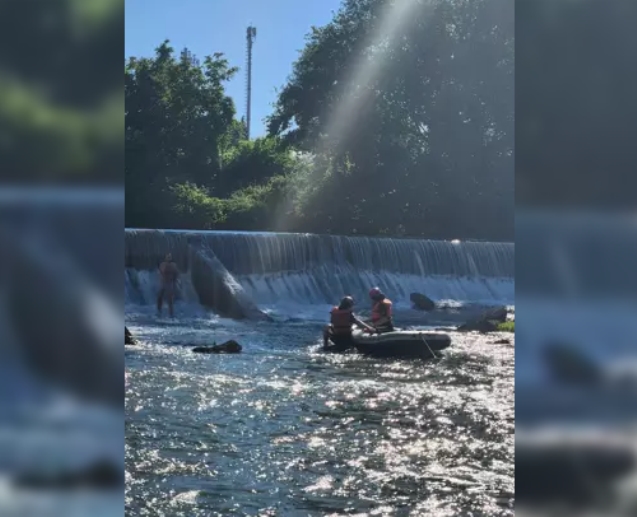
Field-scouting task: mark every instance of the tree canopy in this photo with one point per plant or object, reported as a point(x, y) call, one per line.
point(397, 119)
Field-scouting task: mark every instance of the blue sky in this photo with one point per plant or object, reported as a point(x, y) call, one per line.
point(208, 26)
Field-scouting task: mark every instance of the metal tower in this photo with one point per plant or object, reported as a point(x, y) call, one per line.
point(191, 58)
point(251, 34)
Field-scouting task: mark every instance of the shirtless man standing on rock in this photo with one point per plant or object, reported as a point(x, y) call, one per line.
point(168, 284)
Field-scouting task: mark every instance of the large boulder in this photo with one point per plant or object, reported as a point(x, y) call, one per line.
point(218, 289)
point(486, 322)
point(497, 314)
point(229, 347)
point(128, 337)
point(422, 302)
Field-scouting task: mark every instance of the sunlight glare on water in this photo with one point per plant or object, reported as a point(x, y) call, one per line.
point(286, 428)
point(283, 429)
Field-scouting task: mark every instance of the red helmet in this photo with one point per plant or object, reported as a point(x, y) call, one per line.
point(374, 292)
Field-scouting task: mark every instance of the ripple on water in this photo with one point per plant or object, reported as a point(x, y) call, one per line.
point(283, 430)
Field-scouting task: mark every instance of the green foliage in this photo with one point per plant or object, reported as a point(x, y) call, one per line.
point(407, 131)
point(507, 326)
point(188, 164)
point(424, 114)
point(178, 118)
point(249, 162)
point(244, 209)
point(193, 207)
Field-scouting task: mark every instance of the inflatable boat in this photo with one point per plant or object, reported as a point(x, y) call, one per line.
point(401, 343)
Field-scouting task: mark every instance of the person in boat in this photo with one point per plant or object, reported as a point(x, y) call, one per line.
point(168, 274)
point(339, 331)
point(381, 320)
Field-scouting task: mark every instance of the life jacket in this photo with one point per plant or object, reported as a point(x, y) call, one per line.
point(341, 320)
point(381, 309)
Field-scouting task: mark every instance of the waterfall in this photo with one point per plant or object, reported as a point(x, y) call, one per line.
point(304, 269)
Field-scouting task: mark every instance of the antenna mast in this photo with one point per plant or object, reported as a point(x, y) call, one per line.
point(251, 34)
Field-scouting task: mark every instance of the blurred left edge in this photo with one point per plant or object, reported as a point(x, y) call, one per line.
point(61, 257)
point(61, 403)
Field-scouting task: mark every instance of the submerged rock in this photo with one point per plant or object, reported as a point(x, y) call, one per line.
point(100, 475)
point(568, 364)
point(229, 347)
point(482, 326)
point(422, 302)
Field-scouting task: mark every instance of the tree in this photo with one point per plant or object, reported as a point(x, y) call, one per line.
point(251, 162)
point(428, 149)
point(397, 119)
point(178, 119)
point(188, 164)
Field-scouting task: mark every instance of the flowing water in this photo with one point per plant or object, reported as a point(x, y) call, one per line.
point(283, 429)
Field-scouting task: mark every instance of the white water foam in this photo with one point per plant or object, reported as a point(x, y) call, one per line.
point(310, 295)
point(141, 288)
point(288, 293)
point(300, 276)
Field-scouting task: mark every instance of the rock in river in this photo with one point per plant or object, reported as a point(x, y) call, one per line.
point(569, 364)
point(487, 322)
point(422, 302)
point(128, 337)
point(229, 347)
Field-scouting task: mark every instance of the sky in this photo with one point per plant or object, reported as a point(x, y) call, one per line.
point(209, 26)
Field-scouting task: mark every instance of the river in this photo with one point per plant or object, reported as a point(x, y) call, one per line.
point(283, 429)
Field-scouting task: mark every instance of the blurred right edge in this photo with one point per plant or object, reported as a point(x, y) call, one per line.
point(576, 257)
point(576, 373)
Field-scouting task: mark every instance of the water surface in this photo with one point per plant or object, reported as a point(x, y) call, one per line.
point(285, 430)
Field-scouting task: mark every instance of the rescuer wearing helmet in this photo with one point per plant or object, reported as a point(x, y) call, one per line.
point(339, 331)
point(381, 311)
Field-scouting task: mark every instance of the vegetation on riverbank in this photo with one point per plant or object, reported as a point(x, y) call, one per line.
point(417, 131)
point(506, 326)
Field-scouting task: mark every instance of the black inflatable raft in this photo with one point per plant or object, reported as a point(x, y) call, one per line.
point(401, 343)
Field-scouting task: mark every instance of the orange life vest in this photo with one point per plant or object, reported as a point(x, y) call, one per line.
point(341, 320)
point(381, 309)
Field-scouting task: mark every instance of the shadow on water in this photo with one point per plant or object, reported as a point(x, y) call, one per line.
point(285, 430)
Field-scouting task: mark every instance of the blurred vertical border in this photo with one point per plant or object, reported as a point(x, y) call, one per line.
point(576, 257)
point(61, 257)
